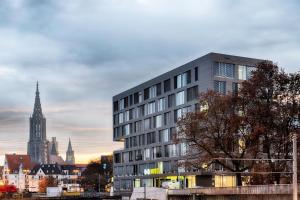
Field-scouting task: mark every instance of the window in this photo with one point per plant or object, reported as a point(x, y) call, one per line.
point(235, 88)
point(147, 124)
point(138, 126)
point(182, 80)
point(220, 86)
point(147, 154)
point(179, 113)
point(158, 89)
point(196, 74)
point(131, 115)
point(173, 133)
point(125, 102)
point(157, 152)
point(126, 116)
point(126, 129)
point(122, 104)
point(133, 142)
point(192, 93)
point(167, 118)
point(140, 111)
point(130, 100)
point(150, 108)
point(116, 119)
point(116, 132)
point(183, 149)
point(146, 93)
point(158, 121)
point(126, 143)
point(137, 97)
point(171, 100)
point(250, 71)
point(152, 92)
point(179, 98)
point(245, 72)
point(151, 138)
point(141, 140)
point(116, 106)
point(164, 135)
point(171, 150)
point(121, 118)
point(167, 85)
point(242, 72)
point(125, 157)
point(161, 104)
point(224, 69)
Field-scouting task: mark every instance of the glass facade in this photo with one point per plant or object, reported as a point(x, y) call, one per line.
point(145, 118)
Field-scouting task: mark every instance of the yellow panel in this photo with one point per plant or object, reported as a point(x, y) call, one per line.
point(225, 181)
point(191, 181)
point(137, 183)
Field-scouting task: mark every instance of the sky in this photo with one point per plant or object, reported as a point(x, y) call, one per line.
point(83, 52)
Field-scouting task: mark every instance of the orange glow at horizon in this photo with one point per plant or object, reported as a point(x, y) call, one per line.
point(86, 158)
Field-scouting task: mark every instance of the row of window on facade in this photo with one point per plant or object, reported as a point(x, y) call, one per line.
point(150, 123)
point(180, 81)
point(229, 70)
point(166, 151)
point(157, 106)
point(222, 87)
point(162, 136)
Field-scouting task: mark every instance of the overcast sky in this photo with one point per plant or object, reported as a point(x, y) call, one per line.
point(83, 52)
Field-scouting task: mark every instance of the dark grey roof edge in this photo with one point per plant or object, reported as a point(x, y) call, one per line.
point(210, 56)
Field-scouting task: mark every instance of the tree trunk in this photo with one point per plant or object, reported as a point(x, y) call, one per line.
point(239, 179)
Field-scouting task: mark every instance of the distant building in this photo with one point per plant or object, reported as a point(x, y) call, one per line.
point(64, 175)
point(16, 169)
point(38, 149)
point(53, 159)
point(70, 158)
point(53, 147)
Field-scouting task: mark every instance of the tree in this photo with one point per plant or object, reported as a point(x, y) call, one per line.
point(97, 169)
point(272, 100)
point(234, 129)
point(220, 130)
point(47, 182)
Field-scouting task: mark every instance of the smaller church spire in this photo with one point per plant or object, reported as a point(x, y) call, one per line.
point(70, 158)
point(70, 146)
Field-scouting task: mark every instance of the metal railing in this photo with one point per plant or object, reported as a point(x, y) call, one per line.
point(254, 189)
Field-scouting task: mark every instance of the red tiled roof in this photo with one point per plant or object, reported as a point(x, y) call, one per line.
point(15, 160)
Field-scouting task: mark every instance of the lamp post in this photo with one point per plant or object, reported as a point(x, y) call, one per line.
point(145, 195)
point(296, 126)
point(295, 181)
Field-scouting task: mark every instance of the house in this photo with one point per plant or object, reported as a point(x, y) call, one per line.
point(42, 171)
point(16, 170)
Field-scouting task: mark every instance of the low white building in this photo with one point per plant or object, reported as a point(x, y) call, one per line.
point(62, 174)
point(16, 170)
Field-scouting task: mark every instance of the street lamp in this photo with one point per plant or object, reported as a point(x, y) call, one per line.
point(296, 127)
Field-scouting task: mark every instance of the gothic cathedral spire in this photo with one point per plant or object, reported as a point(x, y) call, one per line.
point(37, 145)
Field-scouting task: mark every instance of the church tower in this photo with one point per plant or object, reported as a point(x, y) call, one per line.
point(37, 147)
point(70, 158)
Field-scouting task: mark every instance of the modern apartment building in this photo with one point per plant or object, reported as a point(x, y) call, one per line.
point(145, 116)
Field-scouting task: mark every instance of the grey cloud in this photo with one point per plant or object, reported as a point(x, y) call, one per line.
point(84, 52)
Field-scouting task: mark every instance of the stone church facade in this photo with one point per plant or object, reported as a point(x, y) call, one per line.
point(38, 144)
